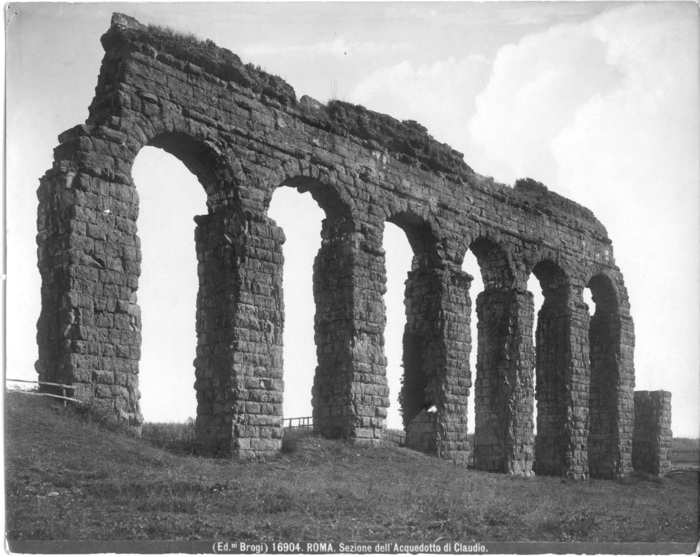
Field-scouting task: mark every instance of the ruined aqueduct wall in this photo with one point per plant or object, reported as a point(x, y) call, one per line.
point(651, 447)
point(243, 133)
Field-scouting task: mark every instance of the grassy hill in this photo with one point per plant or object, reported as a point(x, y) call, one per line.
point(68, 478)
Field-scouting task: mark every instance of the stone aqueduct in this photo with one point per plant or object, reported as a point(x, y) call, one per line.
point(243, 133)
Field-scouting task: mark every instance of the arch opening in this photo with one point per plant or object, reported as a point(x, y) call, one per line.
point(534, 288)
point(168, 284)
point(300, 217)
point(435, 383)
point(314, 294)
point(470, 265)
point(326, 197)
point(418, 393)
point(201, 158)
point(398, 262)
point(418, 233)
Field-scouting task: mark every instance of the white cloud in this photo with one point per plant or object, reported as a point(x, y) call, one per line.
point(337, 47)
point(646, 130)
point(632, 155)
point(534, 89)
point(437, 95)
point(606, 113)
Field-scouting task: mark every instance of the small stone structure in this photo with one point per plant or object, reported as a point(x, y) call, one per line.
point(651, 443)
point(244, 133)
point(421, 432)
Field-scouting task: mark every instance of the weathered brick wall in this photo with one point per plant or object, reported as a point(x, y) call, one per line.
point(243, 134)
point(651, 444)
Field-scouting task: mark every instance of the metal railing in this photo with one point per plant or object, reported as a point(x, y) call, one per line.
point(63, 388)
point(392, 437)
point(301, 423)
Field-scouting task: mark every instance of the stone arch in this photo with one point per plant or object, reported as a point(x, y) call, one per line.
point(419, 232)
point(200, 157)
point(606, 457)
point(436, 342)
point(217, 170)
point(93, 166)
point(554, 280)
point(335, 415)
point(605, 294)
point(561, 386)
point(221, 244)
point(494, 263)
point(334, 201)
point(418, 393)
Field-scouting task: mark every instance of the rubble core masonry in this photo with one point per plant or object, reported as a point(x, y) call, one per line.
point(244, 133)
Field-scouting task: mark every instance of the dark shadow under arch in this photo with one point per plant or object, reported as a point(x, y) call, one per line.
point(326, 195)
point(201, 157)
point(417, 393)
point(493, 262)
point(553, 280)
point(604, 338)
point(420, 234)
point(436, 379)
point(552, 349)
point(604, 294)
point(504, 383)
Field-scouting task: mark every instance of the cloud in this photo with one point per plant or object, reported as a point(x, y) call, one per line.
point(646, 130)
point(337, 47)
point(532, 94)
point(632, 156)
point(437, 95)
point(626, 71)
point(606, 113)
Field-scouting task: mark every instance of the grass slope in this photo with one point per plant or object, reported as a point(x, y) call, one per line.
point(70, 479)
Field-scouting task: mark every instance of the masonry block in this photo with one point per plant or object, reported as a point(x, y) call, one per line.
point(651, 445)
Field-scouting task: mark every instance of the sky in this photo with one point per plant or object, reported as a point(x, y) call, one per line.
point(597, 100)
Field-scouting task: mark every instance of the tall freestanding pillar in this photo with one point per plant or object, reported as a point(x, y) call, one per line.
point(239, 329)
point(350, 393)
point(504, 401)
point(651, 447)
point(562, 384)
point(436, 360)
point(89, 330)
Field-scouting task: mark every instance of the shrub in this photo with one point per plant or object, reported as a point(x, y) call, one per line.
point(102, 415)
point(528, 184)
point(685, 445)
point(172, 33)
point(291, 442)
point(174, 437)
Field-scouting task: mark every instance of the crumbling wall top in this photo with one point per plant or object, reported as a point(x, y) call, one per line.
point(406, 140)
